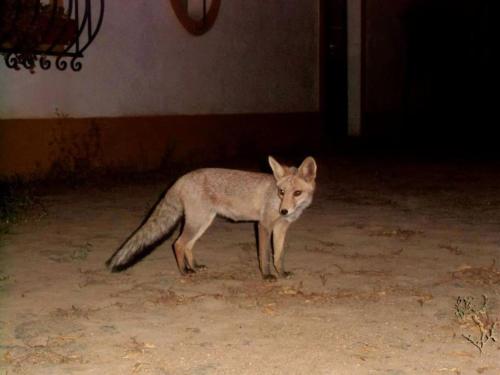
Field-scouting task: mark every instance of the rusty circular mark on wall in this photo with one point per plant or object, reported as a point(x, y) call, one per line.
point(196, 17)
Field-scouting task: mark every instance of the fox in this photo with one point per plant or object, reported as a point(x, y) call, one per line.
point(273, 201)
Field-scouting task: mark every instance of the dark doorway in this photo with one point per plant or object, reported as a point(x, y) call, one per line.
point(334, 67)
point(428, 68)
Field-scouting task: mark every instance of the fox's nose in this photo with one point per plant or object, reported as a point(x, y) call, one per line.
point(284, 211)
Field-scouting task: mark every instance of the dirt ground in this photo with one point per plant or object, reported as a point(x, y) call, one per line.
point(380, 261)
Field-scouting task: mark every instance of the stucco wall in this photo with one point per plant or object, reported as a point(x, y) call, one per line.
point(260, 56)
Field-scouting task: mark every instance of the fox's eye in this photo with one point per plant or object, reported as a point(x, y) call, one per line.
point(297, 193)
point(281, 192)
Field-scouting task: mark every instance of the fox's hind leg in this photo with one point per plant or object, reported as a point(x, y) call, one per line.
point(195, 225)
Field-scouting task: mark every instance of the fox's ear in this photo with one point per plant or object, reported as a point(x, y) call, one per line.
point(307, 169)
point(277, 168)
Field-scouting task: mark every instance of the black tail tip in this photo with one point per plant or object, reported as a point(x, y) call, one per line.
point(114, 267)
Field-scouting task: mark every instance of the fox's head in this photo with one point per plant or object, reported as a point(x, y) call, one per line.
point(294, 186)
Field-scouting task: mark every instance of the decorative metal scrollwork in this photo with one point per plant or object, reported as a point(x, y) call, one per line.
point(203, 18)
point(31, 31)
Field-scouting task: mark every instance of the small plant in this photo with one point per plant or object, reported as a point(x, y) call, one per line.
point(8, 206)
point(3, 277)
point(467, 312)
point(15, 198)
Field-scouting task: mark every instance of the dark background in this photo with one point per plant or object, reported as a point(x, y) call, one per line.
point(429, 74)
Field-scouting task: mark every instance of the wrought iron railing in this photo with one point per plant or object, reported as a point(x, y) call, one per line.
point(32, 31)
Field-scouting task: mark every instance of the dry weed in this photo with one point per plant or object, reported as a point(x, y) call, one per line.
point(471, 315)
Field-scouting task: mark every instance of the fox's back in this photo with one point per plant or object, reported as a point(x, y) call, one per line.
point(239, 195)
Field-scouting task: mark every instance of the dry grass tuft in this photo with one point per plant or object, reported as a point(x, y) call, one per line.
point(470, 315)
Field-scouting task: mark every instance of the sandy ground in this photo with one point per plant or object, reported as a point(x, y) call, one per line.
point(379, 261)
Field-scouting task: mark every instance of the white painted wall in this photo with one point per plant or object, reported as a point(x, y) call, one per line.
point(260, 56)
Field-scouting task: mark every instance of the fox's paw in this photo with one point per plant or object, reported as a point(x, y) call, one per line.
point(269, 278)
point(187, 271)
point(200, 267)
point(286, 275)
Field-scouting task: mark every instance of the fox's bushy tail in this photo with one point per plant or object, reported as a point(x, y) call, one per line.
point(162, 220)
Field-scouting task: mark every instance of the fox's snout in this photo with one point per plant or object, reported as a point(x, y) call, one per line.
point(290, 201)
point(287, 205)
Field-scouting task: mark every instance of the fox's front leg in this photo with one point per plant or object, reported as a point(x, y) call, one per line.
point(264, 253)
point(279, 233)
